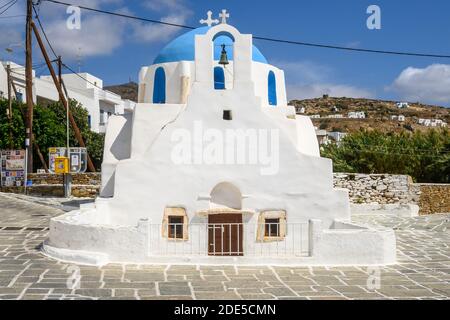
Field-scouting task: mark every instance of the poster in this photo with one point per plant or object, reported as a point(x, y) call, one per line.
point(12, 169)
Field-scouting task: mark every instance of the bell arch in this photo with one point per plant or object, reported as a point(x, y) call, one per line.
point(242, 54)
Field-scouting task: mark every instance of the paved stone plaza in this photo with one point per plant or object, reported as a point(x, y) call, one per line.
point(423, 271)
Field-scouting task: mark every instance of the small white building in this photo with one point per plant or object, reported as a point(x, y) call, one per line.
point(300, 109)
point(83, 87)
point(335, 116)
point(315, 116)
point(18, 78)
point(400, 118)
point(402, 105)
point(356, 115)
point(337, 136)
point(213, 167)
point(432, 122)
point(322, 136)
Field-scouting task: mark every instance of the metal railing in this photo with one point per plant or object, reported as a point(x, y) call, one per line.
point(229, 239)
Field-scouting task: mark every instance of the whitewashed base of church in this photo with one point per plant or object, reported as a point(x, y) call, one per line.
point(77, 237)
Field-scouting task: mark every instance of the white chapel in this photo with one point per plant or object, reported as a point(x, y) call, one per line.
point(213, 166)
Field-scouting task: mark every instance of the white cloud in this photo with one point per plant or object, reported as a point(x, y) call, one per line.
point(430, 84)
point(11, 28)
point(306, 79)
point(177, 13)
point(99, 35)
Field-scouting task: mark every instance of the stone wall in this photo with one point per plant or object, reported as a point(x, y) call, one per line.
point(383, 189)
point(51, 185)
point(89, 178)
point(377, 188)
point(387, 189)
point(434, 198)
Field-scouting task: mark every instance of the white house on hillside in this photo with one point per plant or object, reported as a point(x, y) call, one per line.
point(335, 116)
point(432, 122)
point(83, 87)
point(357, 115)
point(402, 105)
point(400, 118)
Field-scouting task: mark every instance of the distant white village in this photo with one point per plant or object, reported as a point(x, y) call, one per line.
point(83, 87)
point(325, 137)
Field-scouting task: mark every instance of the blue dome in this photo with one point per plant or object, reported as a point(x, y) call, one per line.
point(183, 48)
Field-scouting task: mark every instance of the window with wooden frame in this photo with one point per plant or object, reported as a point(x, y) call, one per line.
point(271, 226)
point(175, 224)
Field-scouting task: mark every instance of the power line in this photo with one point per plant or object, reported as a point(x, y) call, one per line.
point(309, 44)
point(354, 49)
point(7, 8)
point(122, 15)
point(54, 52)
point(6, 4)
point(43, 31)
point(34, 66)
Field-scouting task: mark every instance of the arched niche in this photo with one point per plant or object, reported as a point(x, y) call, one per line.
point(159, 86)
point(223, 74)
point(272, 88)
point(219, 78)
point(227, 195)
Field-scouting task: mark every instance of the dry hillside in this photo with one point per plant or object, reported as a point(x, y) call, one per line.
point(126, 91)
point(378, 114)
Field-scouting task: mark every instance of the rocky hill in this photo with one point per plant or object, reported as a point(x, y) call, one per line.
point(378, 114)
point(126, 91)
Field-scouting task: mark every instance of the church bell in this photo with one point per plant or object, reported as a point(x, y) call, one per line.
point(223, 57)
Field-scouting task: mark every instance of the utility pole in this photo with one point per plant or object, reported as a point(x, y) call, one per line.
point(10, 115)
point(62, 98)
point(29, 88)
point(67, 109)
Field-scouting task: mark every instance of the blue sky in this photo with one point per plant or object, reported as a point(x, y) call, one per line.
point(114, 49)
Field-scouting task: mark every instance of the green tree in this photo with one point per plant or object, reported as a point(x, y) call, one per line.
point(49, 127)
point(425, 156)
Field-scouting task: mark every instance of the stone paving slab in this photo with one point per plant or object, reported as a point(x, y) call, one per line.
point(423, 271)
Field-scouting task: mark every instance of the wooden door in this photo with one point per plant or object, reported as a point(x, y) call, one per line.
point(225, 235)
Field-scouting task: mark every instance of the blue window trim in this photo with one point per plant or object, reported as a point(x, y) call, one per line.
point(219, 78)
point(272, 88)
point(159, 86)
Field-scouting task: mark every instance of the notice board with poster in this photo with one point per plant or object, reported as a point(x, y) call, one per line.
point(12, 169)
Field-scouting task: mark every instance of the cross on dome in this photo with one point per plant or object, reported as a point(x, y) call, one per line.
point(209, 22)
point(224, 15)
